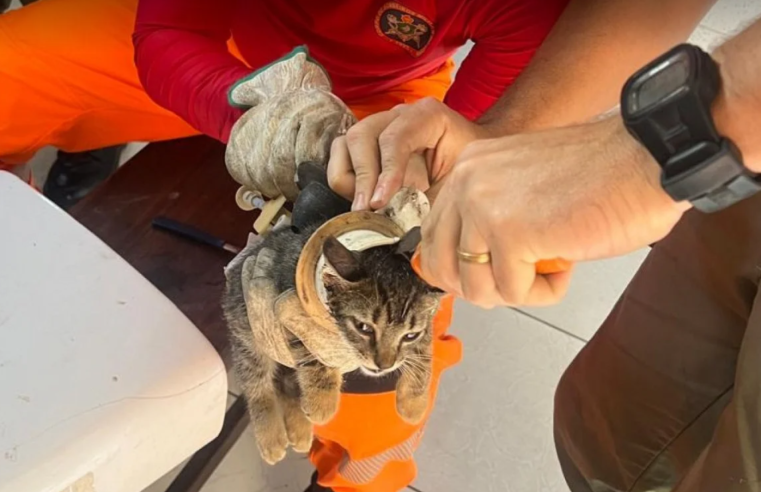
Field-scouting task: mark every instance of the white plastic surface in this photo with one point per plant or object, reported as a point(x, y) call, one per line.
point(104, 384)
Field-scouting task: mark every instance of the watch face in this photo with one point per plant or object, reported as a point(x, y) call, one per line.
point(659, 83)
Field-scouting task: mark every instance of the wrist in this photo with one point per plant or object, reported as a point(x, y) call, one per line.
point(735, 116)
point(292, 72)
point(643, 164)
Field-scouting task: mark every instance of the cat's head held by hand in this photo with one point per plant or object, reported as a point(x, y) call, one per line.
point(383, 309)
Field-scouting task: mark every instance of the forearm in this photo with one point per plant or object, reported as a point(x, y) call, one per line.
point(183, 62)
point(582, 65)
point(738, 107)
point(735, 112)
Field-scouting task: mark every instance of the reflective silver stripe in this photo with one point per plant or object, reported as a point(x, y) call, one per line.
point(365, 470)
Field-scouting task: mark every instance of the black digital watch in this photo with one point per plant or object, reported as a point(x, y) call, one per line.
point(667, 107)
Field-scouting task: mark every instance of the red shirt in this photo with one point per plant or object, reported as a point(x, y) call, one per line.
point(366, 46)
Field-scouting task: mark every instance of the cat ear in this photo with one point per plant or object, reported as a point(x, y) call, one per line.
point(408, 243)
point(431, 301)
point(344, 262)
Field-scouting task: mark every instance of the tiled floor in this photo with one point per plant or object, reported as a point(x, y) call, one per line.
point(491, 430)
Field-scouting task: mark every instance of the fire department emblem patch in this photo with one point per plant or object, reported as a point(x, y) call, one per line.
point(404, 28)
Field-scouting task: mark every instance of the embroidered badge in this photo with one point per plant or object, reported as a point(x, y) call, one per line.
point(404, 27)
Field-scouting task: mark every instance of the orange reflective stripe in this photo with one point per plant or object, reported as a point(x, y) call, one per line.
point(365, 470)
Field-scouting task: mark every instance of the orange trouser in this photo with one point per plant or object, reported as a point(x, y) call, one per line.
point(367, 447)
point(67, 79)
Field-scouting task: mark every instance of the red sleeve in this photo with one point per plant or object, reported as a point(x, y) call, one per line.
point(183, 62)
point(506, 36)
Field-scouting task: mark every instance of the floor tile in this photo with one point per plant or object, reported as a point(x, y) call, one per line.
point(729, 16)
point(164, 482)
point(233, 386)
point(595, 288)
point(243, 471)
point(491, 429)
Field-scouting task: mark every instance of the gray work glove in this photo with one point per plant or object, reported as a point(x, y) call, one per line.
point(274, 317)
point(291, 117)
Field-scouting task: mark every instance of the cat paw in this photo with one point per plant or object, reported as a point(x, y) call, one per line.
point(299, 430)
point(320, 409)
point(302, 439)
point(412, 409)
point(273, 443)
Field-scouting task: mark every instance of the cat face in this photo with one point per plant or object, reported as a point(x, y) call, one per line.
point(381, 306)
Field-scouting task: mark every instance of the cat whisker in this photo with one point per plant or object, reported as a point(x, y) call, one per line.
point(419, 374)
point(425, 358)
point(418, 361)
point(412, 374)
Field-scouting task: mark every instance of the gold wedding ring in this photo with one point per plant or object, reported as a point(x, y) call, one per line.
point(479, 258)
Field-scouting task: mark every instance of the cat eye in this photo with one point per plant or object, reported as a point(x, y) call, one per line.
point(364, 329)
point(411, 337)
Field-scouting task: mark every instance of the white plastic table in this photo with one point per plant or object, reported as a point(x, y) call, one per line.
point(104, 384)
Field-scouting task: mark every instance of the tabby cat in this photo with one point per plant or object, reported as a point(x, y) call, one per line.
point(384, 313)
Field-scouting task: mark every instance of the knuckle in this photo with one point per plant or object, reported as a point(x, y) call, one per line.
point(400, 108)
point(460, 178)
point(389, 137)
point(337, 143)
point(363, 174)
point(472, 204)
point(358, 134)
point(393, 146)
point(511, 298)
point(509, 292)
point(355, 134)
point(392, 181)
point(433, 108)
point(515, 297)
point(430, 103)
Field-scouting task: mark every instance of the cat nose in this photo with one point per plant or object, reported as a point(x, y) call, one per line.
point(384, 363)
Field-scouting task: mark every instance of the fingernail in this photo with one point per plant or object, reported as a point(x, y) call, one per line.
point(378, 195)
point(359, 202)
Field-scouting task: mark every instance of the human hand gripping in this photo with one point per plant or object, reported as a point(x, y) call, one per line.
point(410, 145)
point(576, 193)
point(291, 118)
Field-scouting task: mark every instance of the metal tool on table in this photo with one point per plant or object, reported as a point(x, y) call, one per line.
point(190, 232)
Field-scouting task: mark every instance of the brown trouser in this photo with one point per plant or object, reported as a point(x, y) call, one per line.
point(667, 394)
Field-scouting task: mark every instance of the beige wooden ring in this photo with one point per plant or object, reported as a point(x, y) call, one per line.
point(310, 255)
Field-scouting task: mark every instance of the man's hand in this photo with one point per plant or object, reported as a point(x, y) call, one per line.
point(291, 118)
point(383, 152)
point(576, 193)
